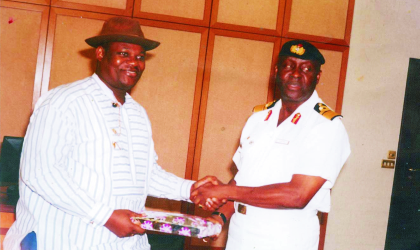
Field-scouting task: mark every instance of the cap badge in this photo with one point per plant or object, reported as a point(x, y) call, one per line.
point(296, 118)
point(297, 49)
point(268, 115)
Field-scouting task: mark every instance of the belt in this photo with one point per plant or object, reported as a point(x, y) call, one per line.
point(241, 208)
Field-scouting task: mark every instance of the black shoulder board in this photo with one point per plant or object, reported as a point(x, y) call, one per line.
point(326, 112)
point(262, 107)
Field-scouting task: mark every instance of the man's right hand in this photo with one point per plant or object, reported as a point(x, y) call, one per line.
point(120, 223)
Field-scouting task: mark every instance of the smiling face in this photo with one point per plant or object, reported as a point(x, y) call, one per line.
point(120, 66)
point(297, 78)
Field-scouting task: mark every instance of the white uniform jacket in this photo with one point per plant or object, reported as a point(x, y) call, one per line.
point(305, 143)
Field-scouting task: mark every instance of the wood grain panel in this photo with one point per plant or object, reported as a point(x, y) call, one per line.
point(43, 2)
point(115, 7)
point(324, 21)
point(22, 43)
point(321, 18)
point(252, 13)
point(167, 90)
point(237, 77)
point(194, 12)
point(330, 79)
point(68, 57)
point(170, 91)
point(180, 8)
point(255, 16)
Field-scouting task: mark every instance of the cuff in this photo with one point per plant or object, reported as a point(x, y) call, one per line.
point(100, 214)
point(186, 189)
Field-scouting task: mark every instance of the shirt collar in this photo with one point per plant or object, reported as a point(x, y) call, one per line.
point(303, 109)
point(107, 91)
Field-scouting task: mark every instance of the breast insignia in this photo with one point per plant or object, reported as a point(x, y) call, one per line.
point(262, 107)
point(326, 112)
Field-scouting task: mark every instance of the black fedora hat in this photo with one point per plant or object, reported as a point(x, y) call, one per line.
point(122, 29)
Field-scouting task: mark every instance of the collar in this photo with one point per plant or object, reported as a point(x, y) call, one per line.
point(302, 109)
point(107, 91)
point(311, 102)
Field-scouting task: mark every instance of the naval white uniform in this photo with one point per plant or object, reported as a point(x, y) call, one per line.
point(306, 143)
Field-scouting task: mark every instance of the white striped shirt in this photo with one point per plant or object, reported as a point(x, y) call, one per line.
point(83, 157)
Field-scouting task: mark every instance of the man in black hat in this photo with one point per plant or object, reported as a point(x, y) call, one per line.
point(290, 154)
point(88, 160)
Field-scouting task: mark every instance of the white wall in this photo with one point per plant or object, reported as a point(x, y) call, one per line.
point(385, 34)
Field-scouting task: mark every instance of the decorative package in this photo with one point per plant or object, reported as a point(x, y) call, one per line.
point(179, 224)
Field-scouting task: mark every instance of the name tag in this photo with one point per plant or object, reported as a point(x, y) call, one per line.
point(282, 141)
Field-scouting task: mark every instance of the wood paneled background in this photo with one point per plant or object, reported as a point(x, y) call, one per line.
point(215, 63)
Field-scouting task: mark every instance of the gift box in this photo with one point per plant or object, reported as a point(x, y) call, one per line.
point(178, 224)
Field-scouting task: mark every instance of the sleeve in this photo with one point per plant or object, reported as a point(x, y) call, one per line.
point(167, 185)
point(48, 142)
point(324, 151)
point(237, 157)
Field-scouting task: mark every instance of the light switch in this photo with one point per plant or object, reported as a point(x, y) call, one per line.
point(392, 154)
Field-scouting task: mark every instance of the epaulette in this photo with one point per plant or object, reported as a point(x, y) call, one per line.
point(326, 112)
point(262, 107)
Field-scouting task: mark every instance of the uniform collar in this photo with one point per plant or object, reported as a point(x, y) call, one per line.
point(303, 108)
point(311, 102)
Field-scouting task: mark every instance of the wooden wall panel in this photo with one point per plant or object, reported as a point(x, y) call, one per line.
point(237, 81)
point(330, 79)
point(331, 85)
point(324, 21)
point(170, 90)
point(115, 7)
point(237, 78)
point(194, 12)
point(43, 2)
point(252, 13)
point(22, 42)
point(117, 4)
point(167, 90)
point(68, 56)
point(255, 16)
point(180, 8)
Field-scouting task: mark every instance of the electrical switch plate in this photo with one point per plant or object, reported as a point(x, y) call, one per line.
point(388, 164)
point(391, 154)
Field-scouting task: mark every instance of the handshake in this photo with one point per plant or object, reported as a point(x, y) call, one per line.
point(209, 193)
